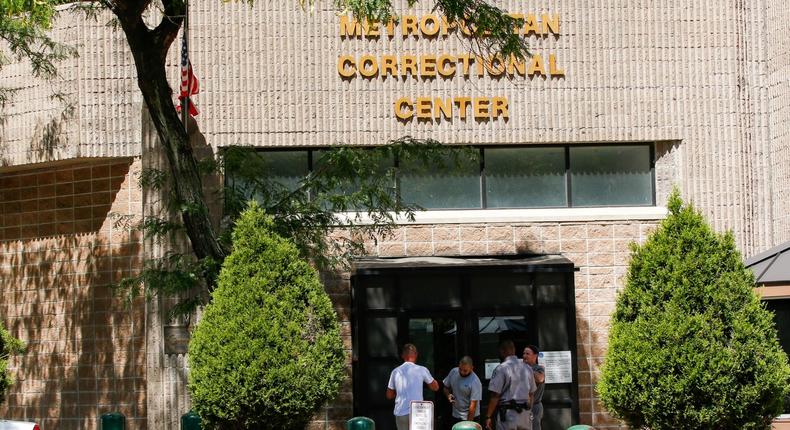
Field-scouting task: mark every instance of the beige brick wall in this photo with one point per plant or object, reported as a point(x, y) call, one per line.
point(59, 253)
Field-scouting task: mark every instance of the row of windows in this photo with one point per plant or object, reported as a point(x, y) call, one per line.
point(511, 177)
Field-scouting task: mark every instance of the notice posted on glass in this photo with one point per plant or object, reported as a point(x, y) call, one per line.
point(421, 416)
point(558, 366)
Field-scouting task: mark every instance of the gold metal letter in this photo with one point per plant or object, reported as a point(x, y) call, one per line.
point(553, 70)
point(481, 108)
point(349, 28)
point(409, 25)
point(427, 65)
point(445, 107)
point(400, 112)
point(408, 64)
point(389, 65)
point(462, 103)
point(423, 108)
point(536, 66)
point(448, 70)
point(500, 107)
point(341, 66)
point(551, 24)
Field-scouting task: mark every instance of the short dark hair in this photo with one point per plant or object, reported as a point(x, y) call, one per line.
point(507, 345)
point(534, 349)
point(467, 360)
point(409, 348)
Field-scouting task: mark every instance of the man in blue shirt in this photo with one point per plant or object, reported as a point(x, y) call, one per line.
point(464, 391)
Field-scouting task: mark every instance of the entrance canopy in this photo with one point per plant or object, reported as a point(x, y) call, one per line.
point(772, 267)
point(536, 263)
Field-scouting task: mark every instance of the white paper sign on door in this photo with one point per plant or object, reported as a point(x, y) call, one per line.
point(558, 365)
point(421, 415)
point(491, 364)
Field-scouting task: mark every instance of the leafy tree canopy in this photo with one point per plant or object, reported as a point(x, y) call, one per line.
point(691, 346)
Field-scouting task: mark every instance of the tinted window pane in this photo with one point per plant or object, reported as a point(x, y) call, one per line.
point(383, 337)
point(556, 418)
point(781, 309)
point(525, 177)
point(501, 290)
point(611, 175)
point(378, 376)
point(553, 335)
point(285, 167)
point(379, 292)
point(436, 188)
point(430, 292)
point(557, 393)
point(550, 288)
point(375, 167)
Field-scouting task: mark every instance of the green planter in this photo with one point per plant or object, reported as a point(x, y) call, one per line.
point(360, 423)
point(467, 425)
point(112, 421)
point(580, 427)
point(190, 421)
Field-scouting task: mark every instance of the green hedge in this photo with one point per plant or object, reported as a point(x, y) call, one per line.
point(267, 352)
point(9, 346)
point(691, 346)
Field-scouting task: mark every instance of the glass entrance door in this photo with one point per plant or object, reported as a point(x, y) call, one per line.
point(439, 340)
point(449, 312)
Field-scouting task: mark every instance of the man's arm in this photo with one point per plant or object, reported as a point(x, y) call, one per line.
point(390, 394)
point(434, 386)
point(472, 409)
point(448, 394)
point(492, 404)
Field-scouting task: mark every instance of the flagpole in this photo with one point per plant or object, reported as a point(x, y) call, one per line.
point(185, 104)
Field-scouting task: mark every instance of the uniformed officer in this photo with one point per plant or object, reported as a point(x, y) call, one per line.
point(511, 387)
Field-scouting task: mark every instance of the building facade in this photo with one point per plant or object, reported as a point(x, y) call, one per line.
point(688, 94)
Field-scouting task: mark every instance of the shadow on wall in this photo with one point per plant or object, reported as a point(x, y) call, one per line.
point(59, 254)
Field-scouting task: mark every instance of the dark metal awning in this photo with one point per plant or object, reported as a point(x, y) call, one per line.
point(771, 267)
point(526, 263)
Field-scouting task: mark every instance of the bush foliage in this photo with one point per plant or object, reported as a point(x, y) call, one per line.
point(9, 345)
point(691, 346)
point(267, 352)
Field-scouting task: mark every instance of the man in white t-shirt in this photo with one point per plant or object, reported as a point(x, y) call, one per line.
point(405, 385)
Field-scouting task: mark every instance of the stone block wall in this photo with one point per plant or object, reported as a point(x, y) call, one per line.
point(60, 250)
point(600, 250)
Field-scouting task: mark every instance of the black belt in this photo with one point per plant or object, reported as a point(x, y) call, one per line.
point(511, 404)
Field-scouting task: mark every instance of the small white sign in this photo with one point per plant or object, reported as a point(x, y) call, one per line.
point(558, 365)
point(491, 364)
point(421, 415)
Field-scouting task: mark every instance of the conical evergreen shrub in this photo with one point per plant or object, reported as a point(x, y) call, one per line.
point(267, 353)
point(691, 346)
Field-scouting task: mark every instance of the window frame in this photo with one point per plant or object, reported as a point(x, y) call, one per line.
point(483, 205)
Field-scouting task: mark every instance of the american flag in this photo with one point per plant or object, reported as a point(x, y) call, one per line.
point(189, 83)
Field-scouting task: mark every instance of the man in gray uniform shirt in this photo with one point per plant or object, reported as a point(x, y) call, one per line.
point(511, 387)
point(464, 391)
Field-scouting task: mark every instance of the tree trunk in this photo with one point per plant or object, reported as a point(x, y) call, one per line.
point(150, 50)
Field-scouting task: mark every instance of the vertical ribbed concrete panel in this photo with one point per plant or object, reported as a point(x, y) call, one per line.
point(96, 111)
point(778, 13)
point(635, 71)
